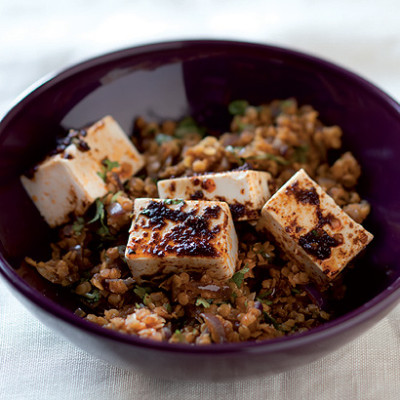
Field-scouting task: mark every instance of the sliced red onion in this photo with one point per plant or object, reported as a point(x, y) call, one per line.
point(317, 297)
point(258, 305)
point(215, 327)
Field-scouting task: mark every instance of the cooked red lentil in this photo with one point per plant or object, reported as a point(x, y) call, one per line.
point(269, 295)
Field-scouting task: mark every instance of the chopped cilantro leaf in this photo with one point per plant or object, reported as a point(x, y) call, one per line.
point(263, 254)
point(243, 126)
point(238, 277)
point(300, 154)
point(93, 296)
point(121, 252)
point(202, 302)
point(238, 107)
point(267, 302)
point(78, 225)
point(116, 195)
point(289, 103)
point(271, 320)
point(167, 307)
point(188, 125)
point(100, 216)
point(266, 294)
point(103, 231)
point(107, 167)
point(142, 291)
point(178, 333)
point(163, 138)
point(146, 299)
point(173, 201)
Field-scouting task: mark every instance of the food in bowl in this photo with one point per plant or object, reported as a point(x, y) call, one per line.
point(216, 259)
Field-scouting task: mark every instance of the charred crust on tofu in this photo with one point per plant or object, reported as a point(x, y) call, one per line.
point(197, 195)
point(191, 236)
point(317, 241)
point(305, 196)
point(238, 210)
point(74, 137)
point(243, 211)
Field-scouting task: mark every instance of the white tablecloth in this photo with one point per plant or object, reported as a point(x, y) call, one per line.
point(37, 37)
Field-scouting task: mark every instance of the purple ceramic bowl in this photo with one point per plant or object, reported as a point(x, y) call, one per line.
point(170, 80)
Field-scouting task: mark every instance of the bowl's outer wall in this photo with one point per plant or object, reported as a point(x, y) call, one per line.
point(201, 78)
point(209, 365)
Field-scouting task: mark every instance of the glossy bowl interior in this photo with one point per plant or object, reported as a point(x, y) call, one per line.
point(171, 80)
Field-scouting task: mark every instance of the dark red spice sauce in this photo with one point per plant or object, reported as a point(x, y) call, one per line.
point(316, 242)
point(192, 235)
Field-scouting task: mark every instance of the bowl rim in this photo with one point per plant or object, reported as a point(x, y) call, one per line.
point(378, 304)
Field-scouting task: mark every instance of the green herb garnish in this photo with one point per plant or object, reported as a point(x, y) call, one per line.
point(93, 296)
point(78, 225)
point(266, 294)
point(116, 195)
point(300, 154)
point(264, 301)
point(167, 307)
point(107, 167)
point(238, 277)
point(142, 291)
point(287, 103)
point(243, 126)
point(188, 125)
point(146, 299)
point(202, 302)
point(173, 201)
point(100, 213)
point(263, 254)
point(238, 107)
point(180, 336)
point(163, 138)
point(296, 291)
point(271, 320)
point(121, 252)
point(100, 216)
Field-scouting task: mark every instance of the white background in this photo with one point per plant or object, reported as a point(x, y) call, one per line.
point(38, 37)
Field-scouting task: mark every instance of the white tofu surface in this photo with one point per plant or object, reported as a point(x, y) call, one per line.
point(68, 182)
point(175, 235)
point(245, 191)
point(312, 229)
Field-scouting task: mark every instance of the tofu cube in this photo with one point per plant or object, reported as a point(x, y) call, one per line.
point(312, 229)
point(245, 191)
point(175, 235)
point(68, 182)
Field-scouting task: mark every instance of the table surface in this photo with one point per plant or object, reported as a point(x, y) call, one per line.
point(42, 36)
